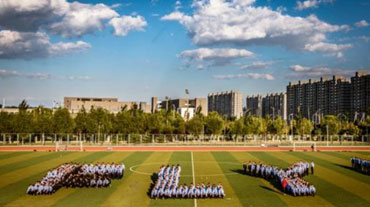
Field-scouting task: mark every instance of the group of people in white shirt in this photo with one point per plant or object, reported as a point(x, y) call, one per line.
point(72, 175)
point(290, 179)
point(166, 186)
point(361, 165)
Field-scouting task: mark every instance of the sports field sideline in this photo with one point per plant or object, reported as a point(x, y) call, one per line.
point(336, 183)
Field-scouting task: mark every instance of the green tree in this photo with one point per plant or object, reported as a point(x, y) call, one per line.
point(82, 121)
point(157, 122)
point(179, 124)
point(62, 121)
point(256, 125)
point(195, 125)
point(349, 128)
point(41, 120)
point(237, 127)
point(277, 126)
point(139, 120)
point(122, 122)
point(214, 123)
point(6, 120)
point(22, 122)
point(304, 126)
point(333, 124)
point(100, 121)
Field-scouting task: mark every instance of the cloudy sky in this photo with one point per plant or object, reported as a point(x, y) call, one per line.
point(133, 50)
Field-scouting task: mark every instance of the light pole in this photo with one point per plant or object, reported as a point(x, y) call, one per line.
point(327, 134)
point(187, 105)
point(291, 118)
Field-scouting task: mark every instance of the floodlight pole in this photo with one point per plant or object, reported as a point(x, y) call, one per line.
point(327, 135)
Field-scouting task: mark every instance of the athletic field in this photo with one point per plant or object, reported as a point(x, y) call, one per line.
point(336, 183)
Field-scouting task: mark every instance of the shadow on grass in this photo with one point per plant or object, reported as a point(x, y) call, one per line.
point(239, 171)
point(272, 181)
point(350, 168)
point(270, 189)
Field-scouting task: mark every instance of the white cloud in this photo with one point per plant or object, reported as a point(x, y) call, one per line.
point(219, 53)
point(301, 5)
point(82, 19)
point(299, 71)
point(245, 75)
point(330, 49)
point(56, 16)
point(220, 22)
point(30, 22)
point(256, 65)
point(81, 78)
point(362, 23)
point(214, 57)
point(40, 76)
point(126, 24)
point(200, 67)
point(34, 45)
point(13, 73)
point(177, 5)
point(364, 38)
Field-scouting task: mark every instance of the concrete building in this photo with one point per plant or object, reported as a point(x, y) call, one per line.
point(323, 97)
point(360, 94)
point(75, 104)
point(254, 105)
point(272, 105)
point(275, 105)
point(185, 107)
point(227, 103)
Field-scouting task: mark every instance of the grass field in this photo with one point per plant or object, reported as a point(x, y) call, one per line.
point(336, 183)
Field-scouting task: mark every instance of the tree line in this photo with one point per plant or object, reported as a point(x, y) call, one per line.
point(135, 121)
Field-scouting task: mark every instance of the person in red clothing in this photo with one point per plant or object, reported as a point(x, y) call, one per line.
point(284, 183)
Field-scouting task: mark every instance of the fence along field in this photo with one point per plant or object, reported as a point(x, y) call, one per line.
point(178, 139)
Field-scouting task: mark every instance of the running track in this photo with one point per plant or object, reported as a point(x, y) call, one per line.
point(181, 148)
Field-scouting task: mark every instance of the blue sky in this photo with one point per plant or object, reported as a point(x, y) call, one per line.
point(134, 50)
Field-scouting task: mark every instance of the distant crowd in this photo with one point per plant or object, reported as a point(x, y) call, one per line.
point(74, 175)
point(290, 179)
point(361, 165)
point(166, 186)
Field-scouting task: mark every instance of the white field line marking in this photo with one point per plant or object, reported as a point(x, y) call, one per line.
point(192, 167)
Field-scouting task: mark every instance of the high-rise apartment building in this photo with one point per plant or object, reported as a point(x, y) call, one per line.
point(323, 97)
point(360, 94)
point(272, 105)
point(254, 105)
point(227, 103)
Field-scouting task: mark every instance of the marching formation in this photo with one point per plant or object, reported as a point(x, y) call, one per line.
point(290, 179)
point(166, 186)
point(72, 175)
point(361, 165)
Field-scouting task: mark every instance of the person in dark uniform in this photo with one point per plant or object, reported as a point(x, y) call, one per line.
point(245, 167)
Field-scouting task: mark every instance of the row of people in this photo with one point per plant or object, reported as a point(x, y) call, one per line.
point(192, 191)
point(77, 175)
point(166, 186)
point(267, 171)
point(361, 165)
point(290, 178)
point(53, 179)
point(111, 169)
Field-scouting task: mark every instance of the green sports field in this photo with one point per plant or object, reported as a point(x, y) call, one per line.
point(336, 183)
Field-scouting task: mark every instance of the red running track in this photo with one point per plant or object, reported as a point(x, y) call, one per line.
point(182, 148)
